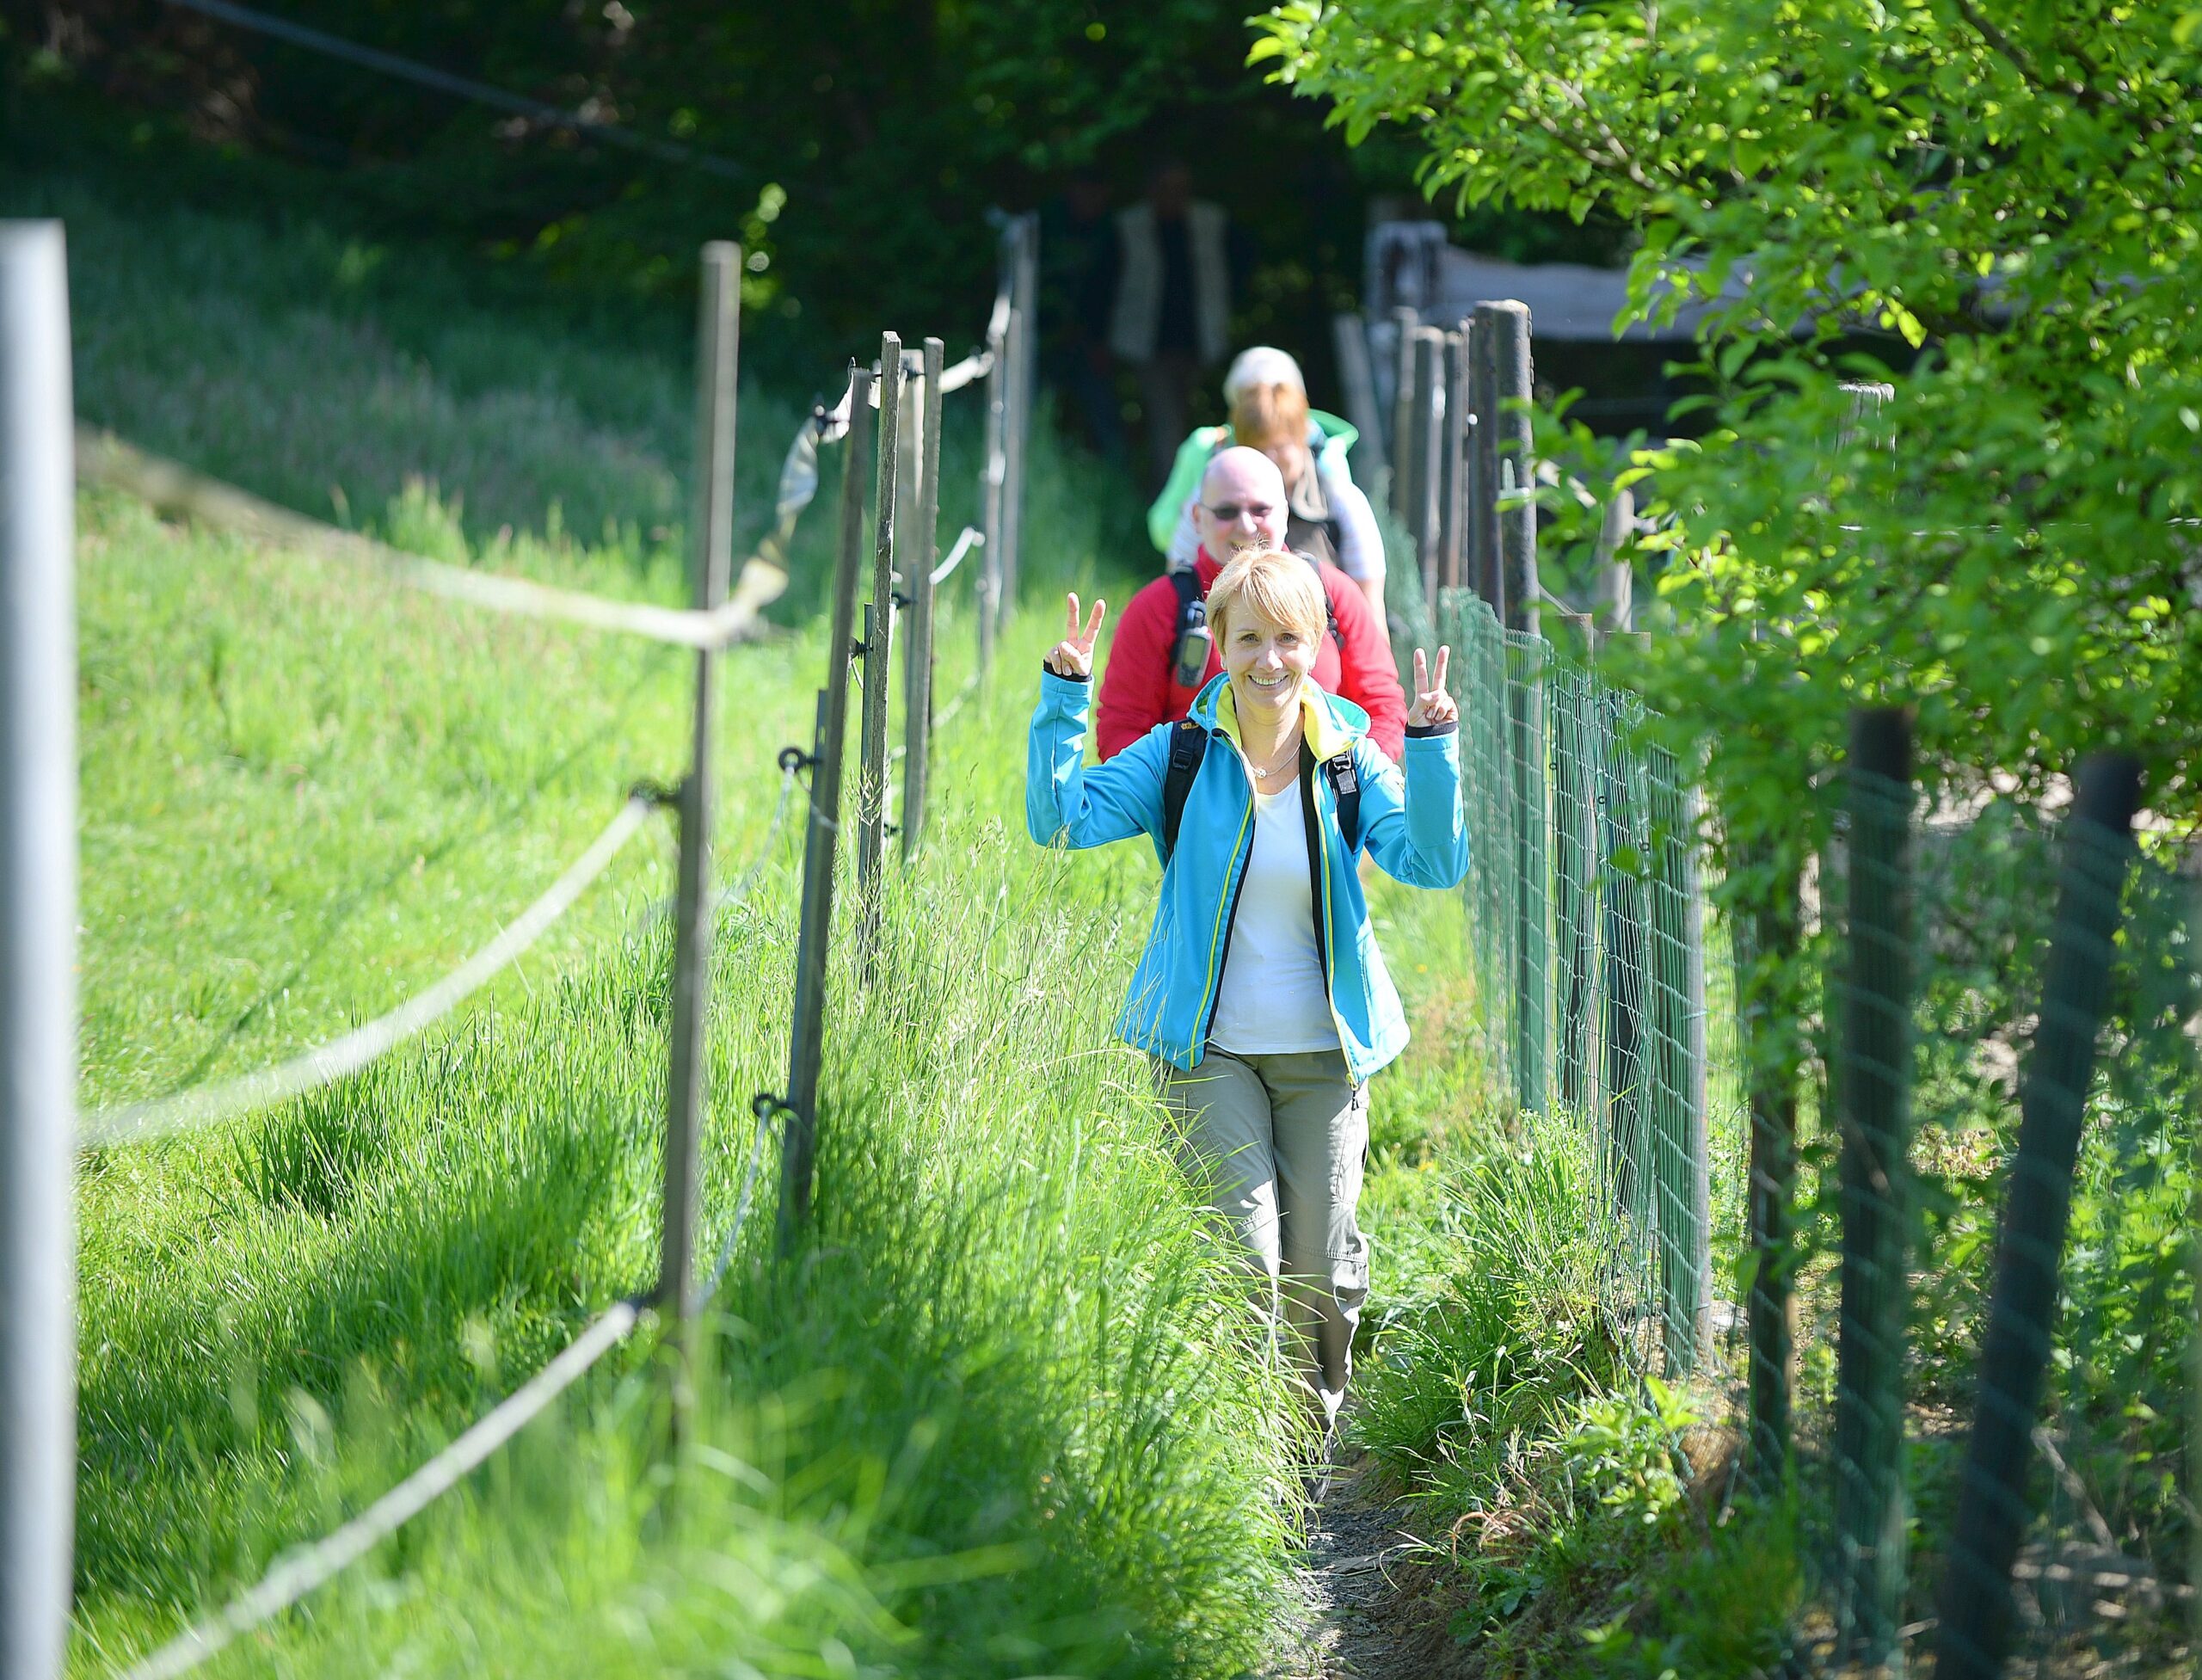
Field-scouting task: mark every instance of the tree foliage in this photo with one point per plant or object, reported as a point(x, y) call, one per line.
point(2009, 200)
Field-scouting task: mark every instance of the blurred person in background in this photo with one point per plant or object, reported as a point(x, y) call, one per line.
point(1078, 281)
point(1164, 651)
point(1330, 517)
point(1170, 318)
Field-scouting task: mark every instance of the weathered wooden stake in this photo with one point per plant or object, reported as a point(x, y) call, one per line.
point(878, 648)
point(1874, 1104)
point(1372, 458)
point(1422, 517)
point(1486, 562)
point(1024, 270)
point(917, 651)
point(994, 475)
point(1770, 1072)
point(1979, 1622)
point(1458, 435)
point(799, 1152)
point(688, 1087)
point(1404, 322)
point(1615, 614)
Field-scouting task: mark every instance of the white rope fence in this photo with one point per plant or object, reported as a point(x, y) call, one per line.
point(767, 1108)
point(972, 538)
point(178, 491)
point(210, 1105)
point(300, 1573)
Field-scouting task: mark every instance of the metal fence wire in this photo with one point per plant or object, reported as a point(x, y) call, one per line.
point(1589, 939)
point(1973, 1386)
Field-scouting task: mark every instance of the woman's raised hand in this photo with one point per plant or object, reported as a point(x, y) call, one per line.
point(1072, 657)
point(1433, 703)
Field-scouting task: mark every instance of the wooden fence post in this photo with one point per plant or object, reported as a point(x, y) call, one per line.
point(1624, 889)
point(1486, 565)
point(1404, 322)
point(688, 1079)
point(1976, 1621)
point(994, 474)
point(1767, 957)
point(1574, 800)
point(1678, 999)
point(1421, 516)
point(1372, 456)
point(1459, 441)
point(1024, 269)
point(917, 651)
point(799, 1152)
point(1616, 578)
point(1501, 337)
point(1873, 1104)
point(878, 649)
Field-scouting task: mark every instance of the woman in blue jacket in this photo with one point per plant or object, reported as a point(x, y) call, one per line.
point(1261, 995)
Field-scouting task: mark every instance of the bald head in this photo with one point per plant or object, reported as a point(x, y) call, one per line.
point(1242, 504)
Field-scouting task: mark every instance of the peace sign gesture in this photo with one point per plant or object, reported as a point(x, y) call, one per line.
point(1072, 657)
point(1433, 704)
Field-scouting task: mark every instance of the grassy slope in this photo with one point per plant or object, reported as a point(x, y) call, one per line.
point(1000, 1419)
point(1007, 1298)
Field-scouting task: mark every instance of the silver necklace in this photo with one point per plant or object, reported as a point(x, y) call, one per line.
point(1291, 753)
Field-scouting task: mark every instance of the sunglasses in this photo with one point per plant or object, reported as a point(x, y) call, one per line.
point(1228, 513)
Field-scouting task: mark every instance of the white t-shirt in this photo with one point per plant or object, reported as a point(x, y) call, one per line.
point(1273, 1001)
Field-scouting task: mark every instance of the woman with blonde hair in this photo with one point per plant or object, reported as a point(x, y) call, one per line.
point(1262, 999)
point(1332, 519)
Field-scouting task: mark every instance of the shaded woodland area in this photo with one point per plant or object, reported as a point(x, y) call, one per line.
point(869, 138)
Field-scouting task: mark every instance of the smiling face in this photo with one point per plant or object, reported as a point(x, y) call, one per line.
point(1266, 661)
point(1242, 504)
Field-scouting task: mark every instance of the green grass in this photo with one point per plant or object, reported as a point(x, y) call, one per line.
point(1009, 1339)
point(1002, 1414)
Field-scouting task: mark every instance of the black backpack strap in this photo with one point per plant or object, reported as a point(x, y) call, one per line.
point(1345, 791)
point(1188, 745)
point(1330, 610)
point(1187, 586)
point(1193, 606)
point(1189, 642)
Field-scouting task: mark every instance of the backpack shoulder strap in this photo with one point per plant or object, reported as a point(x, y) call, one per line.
point(1345, 791)
point(1330, 607)
point(1188, 746)
point(1188, 586)
point(1187, 652)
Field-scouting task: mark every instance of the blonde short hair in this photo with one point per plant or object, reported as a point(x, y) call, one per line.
point(1279, 585)
point(1265, 416)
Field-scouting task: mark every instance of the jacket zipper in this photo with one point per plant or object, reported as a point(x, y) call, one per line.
point(1244, 850)
point(1322, 906)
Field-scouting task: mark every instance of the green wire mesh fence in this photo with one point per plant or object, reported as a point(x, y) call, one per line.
point(1922, 945)
point(1591, 939)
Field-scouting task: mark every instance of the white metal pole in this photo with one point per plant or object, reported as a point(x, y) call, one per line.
point(38, 932)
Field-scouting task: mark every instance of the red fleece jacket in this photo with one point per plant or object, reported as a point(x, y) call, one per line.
point(1139, 688)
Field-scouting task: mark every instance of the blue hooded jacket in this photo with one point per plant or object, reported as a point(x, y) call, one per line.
point(1410, 823)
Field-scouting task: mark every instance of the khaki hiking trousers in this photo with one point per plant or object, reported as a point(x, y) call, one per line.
point(1275, 1143)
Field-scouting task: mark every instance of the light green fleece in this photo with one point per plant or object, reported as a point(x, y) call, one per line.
point(1192, 461)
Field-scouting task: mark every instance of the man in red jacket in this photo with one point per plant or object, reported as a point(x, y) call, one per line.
point(1242, 505)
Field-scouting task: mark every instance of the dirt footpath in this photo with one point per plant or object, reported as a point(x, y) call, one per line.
point(1374, 1613)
